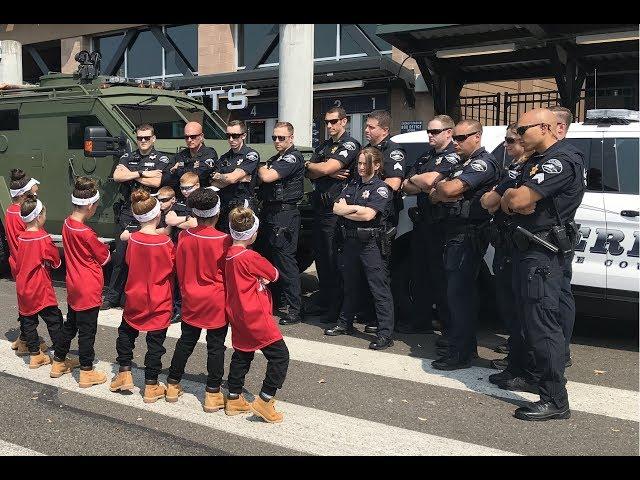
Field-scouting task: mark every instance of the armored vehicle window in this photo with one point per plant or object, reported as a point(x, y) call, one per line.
point(75, 130)
point(211, 130)
point(167, 124)
point(9, 120)
point(627, 155)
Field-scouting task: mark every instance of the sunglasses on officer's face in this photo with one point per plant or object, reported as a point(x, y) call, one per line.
point(280, 138)
point(144, 138)
point(436, 131)
point(510, 140)
point(520, 130)
point(332, 121)
point(192, 137)
point(463, 137)
point(235, 136)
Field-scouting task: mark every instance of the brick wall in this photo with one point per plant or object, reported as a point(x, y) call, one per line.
point(216, 48)
point(68, 49)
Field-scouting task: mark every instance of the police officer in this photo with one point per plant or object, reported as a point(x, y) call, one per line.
point(197, 157)
point(236, 174)
point(361, 206)
point(143, 167)
point(428, 235)
point(281, 188)
point(328, 171)
point(544, 205)
point(466, 241)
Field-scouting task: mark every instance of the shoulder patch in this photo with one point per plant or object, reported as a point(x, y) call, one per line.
point(397, 155)
point(383, 192)
point(209, 162)
point(552, 166)
point(457, 173)
point(343, 153)
point(290, 158)
point(126, 155)
point(479, 165)
point(538, 177)
point(349, 145)
point(452, 158)
point(513, 174)
point(252, 156)
point(163, 159)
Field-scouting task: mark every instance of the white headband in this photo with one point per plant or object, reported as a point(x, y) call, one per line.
point(212, 212)
point(26, 188)
point(34, 213)
point(215, 189)
point(153, 213)
point(247, 234)
point(85, 201)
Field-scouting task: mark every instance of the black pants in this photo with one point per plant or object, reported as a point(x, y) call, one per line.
point(462, 261)
point(85, 324)
point(567, 305)
point(325, 253)
point(155, 349)
point(277, 355)
point(280, 229)
point(52, 317)
point(215, 354)
point(366, 255)
point(538, 276)
point(228, 205)
point(115, 290)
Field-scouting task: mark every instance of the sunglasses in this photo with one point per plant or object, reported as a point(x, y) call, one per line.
point(520, 130)
point(192, 137)
point(235, 136)
point(332, 121)
point(164, 200)
point(144, 138)
point(510, 140)
point(462, 138)
point(186, 188)
point(437, 131)
point(280, 138)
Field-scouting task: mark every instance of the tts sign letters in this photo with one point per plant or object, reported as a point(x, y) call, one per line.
point(236, 97)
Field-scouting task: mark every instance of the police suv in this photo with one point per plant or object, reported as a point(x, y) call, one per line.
point(606, 266)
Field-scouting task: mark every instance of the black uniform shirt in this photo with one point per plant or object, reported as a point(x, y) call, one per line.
point(182, 210)
point(247, 159)
point(135, 161)
point(509, 178)
point(201, 163)
point(375, 194)
point(344, 150)
point(557, 173)
point(432, 161)
point(394, 158)
point(290, 186)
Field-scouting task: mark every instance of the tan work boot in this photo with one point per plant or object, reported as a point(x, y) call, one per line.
point(266, 410)
point(234, 406)
point(60, 368)
point(174, 390)
point(39, 360)
point(22, 349)
point(122, 381)
point(16, 344)
point(91, 377)
point(154, 392)
point(213, 401)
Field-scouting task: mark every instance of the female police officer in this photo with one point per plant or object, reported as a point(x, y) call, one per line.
point(360, 207)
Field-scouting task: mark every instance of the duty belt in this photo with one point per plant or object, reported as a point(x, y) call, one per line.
point(522, 242)
point(362, 234)
point(279, 206)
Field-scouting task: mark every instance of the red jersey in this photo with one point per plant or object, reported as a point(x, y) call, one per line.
point(249, 306)
point(149, 289)
point(13, 226)
point(37, 255)
point(84, 257)
point(200, 261)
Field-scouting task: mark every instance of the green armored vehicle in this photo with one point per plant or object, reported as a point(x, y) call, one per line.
point(42, 131)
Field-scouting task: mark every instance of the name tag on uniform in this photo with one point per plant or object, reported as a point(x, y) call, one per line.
point(149, 164)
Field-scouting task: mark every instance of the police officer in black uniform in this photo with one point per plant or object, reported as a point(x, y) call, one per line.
point(142, 168)
point(361, 206)
point(427, 239)
point(281, 188)
point(466, 239)
point(328, 171)
point(544, 206)
point(236, 174)
point(197, 157)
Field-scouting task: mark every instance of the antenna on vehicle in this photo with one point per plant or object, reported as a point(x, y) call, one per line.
point(595, 87)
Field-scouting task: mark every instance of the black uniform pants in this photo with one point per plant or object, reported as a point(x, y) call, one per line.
point(215, 354)
point(280, 229)
point(366, 255)
point(115, 290)
point(227, 205)
point(126, 342)
point(567, 304)
point(325, 253)
point(85, 324)
point(52, 317)
point(277, 355)
point(538, 275)
point(462, 261)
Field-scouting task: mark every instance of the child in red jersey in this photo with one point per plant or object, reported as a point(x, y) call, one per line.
point(150, 257)
point(85, 256)
point(253, 328)
point(200, 262)
point(37, 255)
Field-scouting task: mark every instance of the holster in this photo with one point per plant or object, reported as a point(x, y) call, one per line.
point(415, 215)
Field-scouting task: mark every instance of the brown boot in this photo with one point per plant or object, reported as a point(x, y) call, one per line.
point(213, 401)
point(122, 381)
point(154, 392)
point(60, 368)
point(22, 349)
point(236, 406)
point(91, 377)
point(16, 344)
point(39, 360)
point(174, 390)
point(266, 410)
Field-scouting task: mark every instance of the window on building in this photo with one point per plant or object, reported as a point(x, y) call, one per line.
point(107, 47)
point(75, 130)
point(50, 54)
point(185, 37)
point(348, 45)
point(144, 57)
point(325, 40)
point(9, 120)
point(252, 38)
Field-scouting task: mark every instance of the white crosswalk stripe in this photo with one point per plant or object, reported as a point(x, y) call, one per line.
point(594, 399)
point(305, 429)
point(10, 449)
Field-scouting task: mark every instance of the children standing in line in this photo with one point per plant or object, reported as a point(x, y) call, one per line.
point(249, 307)
point(200, 259)
point(37, 255)
point(85, 256)
point(150, 257)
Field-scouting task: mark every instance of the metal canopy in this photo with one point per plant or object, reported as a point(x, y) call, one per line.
point(539, 50)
